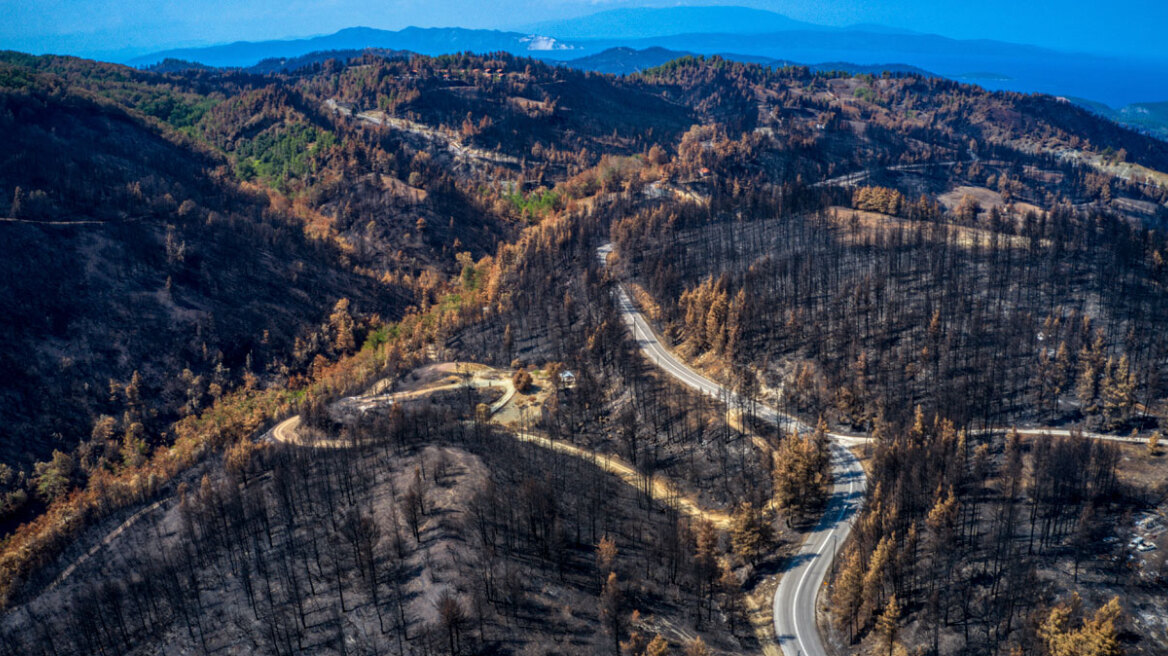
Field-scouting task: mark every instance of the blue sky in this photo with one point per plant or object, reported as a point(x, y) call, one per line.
point(97, 27)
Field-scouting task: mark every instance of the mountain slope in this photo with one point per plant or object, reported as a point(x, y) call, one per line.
point(184, 201)
point(158, 262)
point(1151, 118)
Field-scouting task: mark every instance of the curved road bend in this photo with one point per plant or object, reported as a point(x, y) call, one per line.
point(285, 431)
point(794, 604)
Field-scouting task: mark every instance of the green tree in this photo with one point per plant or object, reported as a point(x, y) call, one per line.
point(54, 478)
point(468, 276)
point(134, 446)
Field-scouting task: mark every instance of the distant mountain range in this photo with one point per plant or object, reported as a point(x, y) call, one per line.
point(647, 22)
point(426, 41)
point(643, 36)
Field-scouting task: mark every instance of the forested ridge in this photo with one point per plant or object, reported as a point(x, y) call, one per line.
point(193, 254)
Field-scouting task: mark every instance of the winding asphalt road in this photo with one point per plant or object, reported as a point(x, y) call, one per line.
point(795, 598)
point(794, 603)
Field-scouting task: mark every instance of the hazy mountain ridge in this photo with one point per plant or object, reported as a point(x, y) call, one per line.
point(427, 41)
point(645, 22)
point(747, 33)
point(278, 64)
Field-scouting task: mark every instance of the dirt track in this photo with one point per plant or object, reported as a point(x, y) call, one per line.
point(480, 376)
